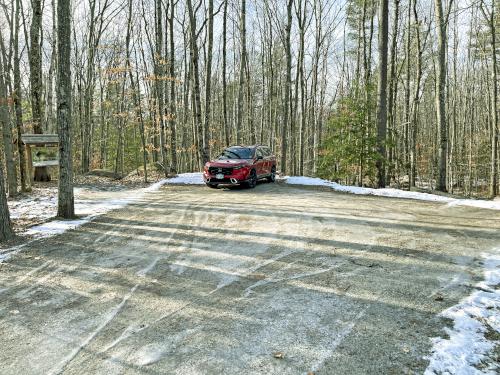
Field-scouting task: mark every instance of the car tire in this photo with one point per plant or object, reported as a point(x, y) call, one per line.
point(272, 176)
point(252, 181)
point(212, 186)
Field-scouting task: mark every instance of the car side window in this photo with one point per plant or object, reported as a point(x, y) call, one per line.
point(267, 151)
point(259, 152)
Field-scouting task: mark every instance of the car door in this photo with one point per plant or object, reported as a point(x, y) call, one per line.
point(267, 160)
point(260, 162)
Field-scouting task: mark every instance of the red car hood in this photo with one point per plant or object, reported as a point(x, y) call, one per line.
point(227, 163)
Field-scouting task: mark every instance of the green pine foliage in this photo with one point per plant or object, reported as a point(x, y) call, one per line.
point(348, 152)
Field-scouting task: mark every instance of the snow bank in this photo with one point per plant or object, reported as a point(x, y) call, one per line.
point(187, 179)
point(472, 318)
point(393, 193)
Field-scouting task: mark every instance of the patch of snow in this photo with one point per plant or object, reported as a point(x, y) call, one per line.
point(44, 208)
point(149, 354)
point(392, 193)
point(55, 227)
point(472, 318)
point(187, 179)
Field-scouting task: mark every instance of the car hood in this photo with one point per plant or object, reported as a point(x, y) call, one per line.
point(228, 163)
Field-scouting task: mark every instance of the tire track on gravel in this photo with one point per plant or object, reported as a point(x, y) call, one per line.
point(115, 311)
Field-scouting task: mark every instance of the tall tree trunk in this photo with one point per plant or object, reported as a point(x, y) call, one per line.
point(159, 73)
point(406, 126)
point(243, 57)
point(66, 205)
point(7, 134)
point(441, 96)
point(286, 105)
point(173, 82)
point(5, 225)
point(35, 63)
point(224, 76)
point(135, 95)
point(416, 100)
point(208, 78)
point(382, 90)
point(194, 56)
point(18, 109)
point(491, 19)
point(392, 90)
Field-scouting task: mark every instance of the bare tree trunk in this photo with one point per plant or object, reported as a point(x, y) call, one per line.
point(441, 96)
point(6, 232)
point(7, 134)
point(382, 89)
point(35, 62)
point(243, 57)
point(491, 19)
point(286, 104)
point(391, 94)
point(224, 76)
point(416, 99)
point(66, 205)
point(208, 78)
point(25, 180)
point(406, 126)
point(173, 82)
point(159, 83)
point(193, 52)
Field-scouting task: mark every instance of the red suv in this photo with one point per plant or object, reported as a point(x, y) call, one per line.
point(241, 165)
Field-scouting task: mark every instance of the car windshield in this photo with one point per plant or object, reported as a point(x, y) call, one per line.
point(237, 153)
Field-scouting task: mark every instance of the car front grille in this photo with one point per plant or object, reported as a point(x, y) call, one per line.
point(224, 171)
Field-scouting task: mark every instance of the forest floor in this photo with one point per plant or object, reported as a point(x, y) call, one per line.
point(280, 279)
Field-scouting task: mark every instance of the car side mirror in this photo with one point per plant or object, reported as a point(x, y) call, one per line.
point(260, 157)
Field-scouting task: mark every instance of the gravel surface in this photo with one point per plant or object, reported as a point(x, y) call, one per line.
point(274, 280)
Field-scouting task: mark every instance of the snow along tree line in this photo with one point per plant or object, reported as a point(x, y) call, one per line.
point(364, 92)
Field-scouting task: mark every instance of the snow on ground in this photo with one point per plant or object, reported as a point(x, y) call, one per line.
point(393, 193)
point(186, 178)
point(44, 206)
point(473, 319)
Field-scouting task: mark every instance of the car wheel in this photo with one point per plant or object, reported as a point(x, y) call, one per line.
point(212, 186)
point(252, 181)
point(272, 177)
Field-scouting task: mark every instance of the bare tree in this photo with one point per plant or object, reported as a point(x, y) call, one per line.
point(441, 95)
point(491, 20)
point(382, 89)
point(66, 201)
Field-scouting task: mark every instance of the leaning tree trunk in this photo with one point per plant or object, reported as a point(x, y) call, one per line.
point(66, 201)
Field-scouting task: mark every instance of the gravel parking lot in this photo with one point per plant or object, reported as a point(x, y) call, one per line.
point(274, 280)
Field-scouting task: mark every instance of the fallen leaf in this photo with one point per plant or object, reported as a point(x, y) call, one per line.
point(438, 297)
point(279, 355)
